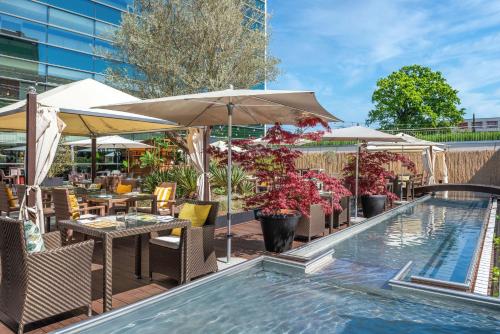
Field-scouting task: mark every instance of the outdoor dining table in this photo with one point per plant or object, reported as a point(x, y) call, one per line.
point(107, 229)
point(109, 199)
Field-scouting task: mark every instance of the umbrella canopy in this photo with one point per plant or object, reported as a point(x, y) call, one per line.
point(360, 133)
point(250, 107)
point(110, 142)
point(74, 101)
point(230, 106)
point(222, 146)
point(409, 144)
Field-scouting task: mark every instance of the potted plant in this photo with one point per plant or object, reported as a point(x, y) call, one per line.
point(61, 164)
point(372, 179)
point(289, 194)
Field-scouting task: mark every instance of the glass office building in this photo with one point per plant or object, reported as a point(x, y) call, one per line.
point(53, 42)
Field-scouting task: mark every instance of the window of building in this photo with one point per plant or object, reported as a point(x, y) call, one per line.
point(122, 4)
point(70, 40)
point(68, 58)
point(19, 48)
point(104, 30)
point(84, 7)
point(22, 28)
point(104, 47)
point(479, 124)
point(25, 8)
point(59, 75)
point(22, 69)
point(492, 124)
point(71, 21)
point(108, 14)
point(463, 125)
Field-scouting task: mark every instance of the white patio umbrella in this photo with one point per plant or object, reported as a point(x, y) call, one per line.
point(242, 107)
point(222, 146)
point(74, 101)
point(116, 142)
point(411, 144)
point(359, 133)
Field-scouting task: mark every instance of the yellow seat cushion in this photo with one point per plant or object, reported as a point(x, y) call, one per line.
point(95, 186)
point(123, 188)
point(10, 197)
point(162, 196)
point(195, 213)
point(75, 207)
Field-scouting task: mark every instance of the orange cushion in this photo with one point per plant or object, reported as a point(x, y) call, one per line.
point(123, 188)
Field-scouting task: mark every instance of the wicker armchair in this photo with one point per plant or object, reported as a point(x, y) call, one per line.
point(4, 201)
point(343, 217)
point(62, 207)
point(165, 252)
point(312, 226)
point(168, 205)
point(40, 285)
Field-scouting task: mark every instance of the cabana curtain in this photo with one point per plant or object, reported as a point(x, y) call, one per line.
point(429, 161)
point(195, 147)
point(48, 133)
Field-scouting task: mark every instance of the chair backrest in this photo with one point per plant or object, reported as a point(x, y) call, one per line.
point(172, 185)
point(132, 182)
point(62, 207)
point(4, 198)
point(212, 214)
point(14, 279)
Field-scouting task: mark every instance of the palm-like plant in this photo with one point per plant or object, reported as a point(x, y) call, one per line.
point(151, 159)
point(218, 178)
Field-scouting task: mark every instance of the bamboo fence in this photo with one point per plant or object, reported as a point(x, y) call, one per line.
point(480, 167)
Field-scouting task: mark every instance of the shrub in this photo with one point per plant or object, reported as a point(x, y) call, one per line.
point(184, 176)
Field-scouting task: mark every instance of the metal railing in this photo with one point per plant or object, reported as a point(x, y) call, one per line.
point(452, 134)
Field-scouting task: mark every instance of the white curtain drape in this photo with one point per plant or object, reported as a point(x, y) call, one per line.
point(429, 163)
point(195, 147)
point(48, 133)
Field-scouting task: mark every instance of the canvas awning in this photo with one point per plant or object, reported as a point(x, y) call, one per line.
point(75, 101)
point(409, 144)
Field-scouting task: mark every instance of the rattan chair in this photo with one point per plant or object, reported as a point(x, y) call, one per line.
point(313, 225)
point(62, 206)
point(48, 210)
point(4, 201)
point(165, 252)
point(168, 205)
point(7, 178)
point(40, 285)
point(343, 217)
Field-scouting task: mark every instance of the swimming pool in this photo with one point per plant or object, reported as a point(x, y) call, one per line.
point(349, 295)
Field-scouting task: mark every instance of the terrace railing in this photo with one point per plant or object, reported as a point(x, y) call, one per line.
point(452, 134)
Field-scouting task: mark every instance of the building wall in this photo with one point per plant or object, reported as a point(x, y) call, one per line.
point(481, 124)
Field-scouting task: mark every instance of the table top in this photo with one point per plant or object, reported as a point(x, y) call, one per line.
point(97, 195)
point(109, 226)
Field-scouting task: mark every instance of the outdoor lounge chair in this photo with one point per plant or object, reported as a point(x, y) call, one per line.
point(165, 252)
point(5, 205)
point(343, 217)
point(39, 285)
point(313, 225)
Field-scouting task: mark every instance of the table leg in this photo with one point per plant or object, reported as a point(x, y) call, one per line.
point(138, 256)
point(107, 253)
point(154, 206)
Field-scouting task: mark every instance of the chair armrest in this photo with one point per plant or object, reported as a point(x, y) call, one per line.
point(83, 205)
point(52, 240)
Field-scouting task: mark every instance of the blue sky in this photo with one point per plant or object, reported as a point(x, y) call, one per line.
point(340, 48)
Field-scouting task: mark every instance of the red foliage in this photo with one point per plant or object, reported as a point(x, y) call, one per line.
point(373, 173)
point(274, 165)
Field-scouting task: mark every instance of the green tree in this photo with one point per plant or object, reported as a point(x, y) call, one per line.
point(187, 46)
point(415, 97)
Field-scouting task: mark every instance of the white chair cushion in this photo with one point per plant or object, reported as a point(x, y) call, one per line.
point(170, 241)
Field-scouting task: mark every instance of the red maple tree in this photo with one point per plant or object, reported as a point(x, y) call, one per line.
point(274, 165)
point(373, 172)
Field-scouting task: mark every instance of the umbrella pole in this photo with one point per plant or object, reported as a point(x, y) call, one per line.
point(230, 108)
point(356, 187)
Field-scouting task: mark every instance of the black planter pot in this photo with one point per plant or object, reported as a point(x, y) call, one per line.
point(278, 231)
point(373, 204)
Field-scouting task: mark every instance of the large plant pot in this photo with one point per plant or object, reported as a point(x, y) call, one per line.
point(279, 231)
point(373, 204)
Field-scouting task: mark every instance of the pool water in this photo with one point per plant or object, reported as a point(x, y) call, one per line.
point(350, 295)
point(440, 236)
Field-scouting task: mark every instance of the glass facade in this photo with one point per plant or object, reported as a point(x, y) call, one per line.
point(53, 42)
